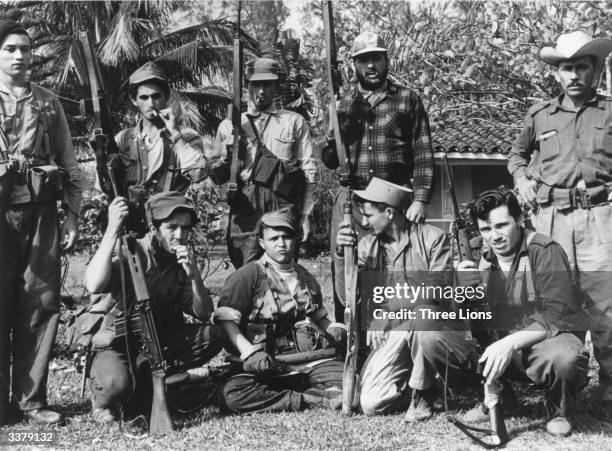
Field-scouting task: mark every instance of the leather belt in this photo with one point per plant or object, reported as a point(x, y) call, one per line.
point(570, 198)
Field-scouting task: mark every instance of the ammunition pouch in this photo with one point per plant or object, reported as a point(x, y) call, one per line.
point(45, 183)
point(283, 177)
point(7, 179)
point(286, 339)
point(81, 329)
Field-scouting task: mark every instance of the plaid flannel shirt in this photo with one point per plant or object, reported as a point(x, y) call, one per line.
point(389, 139)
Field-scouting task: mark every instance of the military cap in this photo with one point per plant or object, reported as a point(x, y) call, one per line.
point(282, 218)
point(261, 69)
point(574, 45)
point(148, 71)
point(381, 191)
point(10, 27)
point(162, 205)
point(367, 42)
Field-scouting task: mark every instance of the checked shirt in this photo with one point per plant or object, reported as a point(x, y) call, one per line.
point(389, 139)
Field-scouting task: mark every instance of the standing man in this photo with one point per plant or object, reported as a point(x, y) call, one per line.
point(175, 287)
point(162, 155)
point(529, 292)
point(386, 131)
point(262, 309)
point(36, 159)
point(405, 351)
point(276, 165)
point(562, 165)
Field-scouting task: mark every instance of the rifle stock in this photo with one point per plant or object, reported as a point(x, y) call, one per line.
point(232, 186)
point(351, 318)
point(161, 421)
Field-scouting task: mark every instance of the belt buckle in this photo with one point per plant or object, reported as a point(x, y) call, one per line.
point(583, 200)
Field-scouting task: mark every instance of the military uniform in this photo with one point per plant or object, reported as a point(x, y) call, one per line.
point(34, 131)
point(276, 144)
point(269, 304)
point(154, 160)
point(184, 345)
point(567, 154)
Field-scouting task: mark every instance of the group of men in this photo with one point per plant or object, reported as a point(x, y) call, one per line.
point(538, 285)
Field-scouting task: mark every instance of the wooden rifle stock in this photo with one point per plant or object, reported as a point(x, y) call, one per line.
point(351, 319)
point(232, 186)
point(350, 268)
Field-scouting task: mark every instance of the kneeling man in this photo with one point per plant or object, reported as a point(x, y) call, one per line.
point(531, 299)
point(175, 287)
point(406, 354)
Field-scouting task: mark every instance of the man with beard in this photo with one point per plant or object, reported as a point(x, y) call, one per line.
point(386, 131)
point(276, 165)
point(176, 289)
point(562, 166)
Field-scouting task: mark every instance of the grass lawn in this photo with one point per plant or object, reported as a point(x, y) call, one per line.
point(208, 429)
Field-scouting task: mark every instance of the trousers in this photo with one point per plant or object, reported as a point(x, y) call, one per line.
point(409, 360)
point(29, 301)
point(111, 381)
point(585, 236)
point(245, 393)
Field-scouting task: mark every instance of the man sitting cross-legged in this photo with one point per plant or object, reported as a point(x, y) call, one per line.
point(261, 310)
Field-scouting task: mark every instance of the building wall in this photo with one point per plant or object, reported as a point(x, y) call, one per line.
point(469, 180)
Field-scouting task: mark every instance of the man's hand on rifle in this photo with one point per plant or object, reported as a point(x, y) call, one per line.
point(346, 235)
point(468, 274)
point(416, 212)
point(117, 212)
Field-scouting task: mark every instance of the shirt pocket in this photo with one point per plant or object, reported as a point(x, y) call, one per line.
point(282, 146)
point(549, 146)
point(603, 139)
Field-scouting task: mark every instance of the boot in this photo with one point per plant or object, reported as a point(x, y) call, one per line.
point(421, 406)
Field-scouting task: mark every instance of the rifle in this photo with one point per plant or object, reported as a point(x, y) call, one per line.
point(498, 433)
point(351, 318)
point(104, 144)
point(232, 186)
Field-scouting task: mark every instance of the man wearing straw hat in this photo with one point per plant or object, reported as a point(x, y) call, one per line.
point(562, 165)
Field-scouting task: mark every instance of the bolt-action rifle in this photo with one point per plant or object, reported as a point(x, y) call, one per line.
point(351, 317)
point(232, 186)
point(498, 435)
point(108, 169)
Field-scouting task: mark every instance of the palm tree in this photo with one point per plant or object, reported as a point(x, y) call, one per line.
point(125, 35)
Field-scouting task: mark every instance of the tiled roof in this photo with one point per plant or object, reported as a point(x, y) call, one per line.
point(480, 136)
